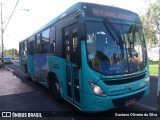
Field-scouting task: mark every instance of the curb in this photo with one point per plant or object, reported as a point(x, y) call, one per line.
point(153, 75)
point(6, 68)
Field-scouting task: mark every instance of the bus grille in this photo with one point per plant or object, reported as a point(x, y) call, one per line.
point(112, 81)
point(122, 101)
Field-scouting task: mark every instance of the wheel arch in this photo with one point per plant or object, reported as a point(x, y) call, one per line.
point(51, 77)
point(53, 81)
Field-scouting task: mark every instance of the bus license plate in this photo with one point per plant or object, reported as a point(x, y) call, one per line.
point(130, 102)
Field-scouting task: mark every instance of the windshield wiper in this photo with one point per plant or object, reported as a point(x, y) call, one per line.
point(109, 31)
point(106, 23)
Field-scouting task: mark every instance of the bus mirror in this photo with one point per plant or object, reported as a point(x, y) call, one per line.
point(81, 16)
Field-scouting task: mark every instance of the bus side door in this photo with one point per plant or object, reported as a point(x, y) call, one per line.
point(70, 36)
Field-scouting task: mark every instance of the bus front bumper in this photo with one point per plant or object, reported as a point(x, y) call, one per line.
point(93, 103)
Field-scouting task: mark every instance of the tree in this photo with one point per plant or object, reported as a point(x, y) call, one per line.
point(151, 21)
point(12, 52)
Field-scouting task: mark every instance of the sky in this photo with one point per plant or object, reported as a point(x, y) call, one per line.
point(40, 12)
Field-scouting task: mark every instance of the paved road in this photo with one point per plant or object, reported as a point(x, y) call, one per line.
point(22, 95)
point(151, 100)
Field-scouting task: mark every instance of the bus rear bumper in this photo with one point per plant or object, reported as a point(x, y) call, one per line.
point(94, 103)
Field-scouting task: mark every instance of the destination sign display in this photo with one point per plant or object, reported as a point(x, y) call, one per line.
point(94, 10)
point(103, 13)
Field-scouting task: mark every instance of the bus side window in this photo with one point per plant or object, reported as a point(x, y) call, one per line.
point(38, 45)
point(38, 38)
point(54, 47)
point(75, 45)
point(20, 49)
point(25, 48)
point(67, 47)
point(45, 36)
point(45, 41)
point(31, 47)
point(52, 40)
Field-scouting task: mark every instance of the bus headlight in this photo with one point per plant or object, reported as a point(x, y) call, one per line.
point(147, 80)
point(97, 89)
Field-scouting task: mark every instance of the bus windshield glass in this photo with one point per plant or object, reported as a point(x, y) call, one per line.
point(115, 48)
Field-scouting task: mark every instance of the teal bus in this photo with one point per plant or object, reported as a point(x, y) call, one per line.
point(94, 56)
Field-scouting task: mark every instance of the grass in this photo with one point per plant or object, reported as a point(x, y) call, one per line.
point(153, 67)
point(153, 62)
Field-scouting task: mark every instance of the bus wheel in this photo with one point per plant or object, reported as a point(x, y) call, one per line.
point(55, 88)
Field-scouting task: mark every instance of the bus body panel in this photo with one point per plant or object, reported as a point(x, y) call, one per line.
point(30, 65)
point(56, 65)
point(41, 67)
point(92, 103)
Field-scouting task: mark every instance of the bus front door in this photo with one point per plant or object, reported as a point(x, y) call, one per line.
point(72, 68)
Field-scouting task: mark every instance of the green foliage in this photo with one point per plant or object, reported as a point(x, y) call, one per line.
point(153, 67)
point(153, 62)
point(151, 21)
point(12, 52)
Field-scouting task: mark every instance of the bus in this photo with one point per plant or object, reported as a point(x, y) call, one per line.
point(94, 56)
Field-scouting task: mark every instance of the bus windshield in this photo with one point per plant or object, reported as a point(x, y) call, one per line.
point(115, 48)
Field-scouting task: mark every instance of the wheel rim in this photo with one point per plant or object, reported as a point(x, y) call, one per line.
point(55, 88)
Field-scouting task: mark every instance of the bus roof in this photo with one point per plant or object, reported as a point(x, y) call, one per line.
point(93, 10)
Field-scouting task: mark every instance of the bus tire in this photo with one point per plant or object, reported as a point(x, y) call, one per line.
point(54, 87)
point(27, 74)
